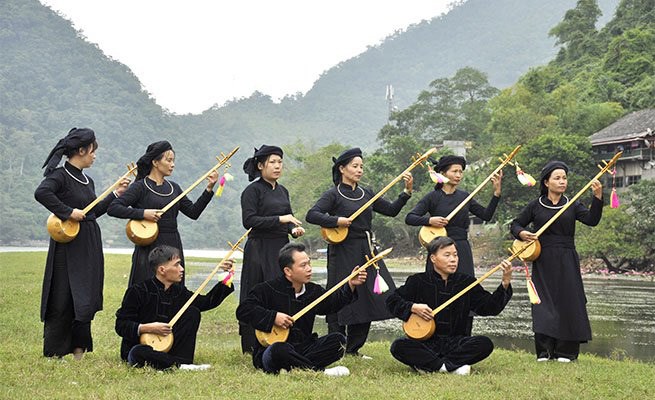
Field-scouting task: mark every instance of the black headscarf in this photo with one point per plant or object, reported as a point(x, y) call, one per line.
point(154, 150)
point(250, 166)
point(446, 161)
point(343, 159)
point(75, 139)
point(547, 170)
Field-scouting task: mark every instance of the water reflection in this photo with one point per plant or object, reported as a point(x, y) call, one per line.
point(621, 310)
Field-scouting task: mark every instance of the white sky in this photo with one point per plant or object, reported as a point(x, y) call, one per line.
point(192, 54)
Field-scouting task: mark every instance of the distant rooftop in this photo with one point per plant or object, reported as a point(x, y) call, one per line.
point(636, 125)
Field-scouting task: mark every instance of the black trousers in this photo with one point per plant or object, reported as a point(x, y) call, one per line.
point(552, 348)
point(355, 334)
point(315, 354)
point(185, 331)
point(61, 332)
point(431, 354)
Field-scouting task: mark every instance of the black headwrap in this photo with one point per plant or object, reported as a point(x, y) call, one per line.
point(446, 161)
point(547, 170)
point(154, 150)
point(343, 159)
point(75, 139)
point(250, 166)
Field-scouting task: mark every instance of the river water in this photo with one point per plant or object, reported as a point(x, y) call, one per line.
point(621, 311)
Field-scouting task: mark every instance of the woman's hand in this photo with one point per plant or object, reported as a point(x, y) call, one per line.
point(283, 320)
point(527, 236)
point(438, 222)
point(77, 215)
point(343, 221)
point(290, 219)
point(497, 181)
point(597, 188)
point(298, 231)
point(212, 179)
point(122, 187)
point(152, 215)
point(409, 182)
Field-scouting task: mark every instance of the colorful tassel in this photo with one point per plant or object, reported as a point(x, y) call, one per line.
point(437, 177)
point(380, 285)
point(532, 290)
point(525, 179)
point(614, 198)
point(228, 278)
point(221, 183)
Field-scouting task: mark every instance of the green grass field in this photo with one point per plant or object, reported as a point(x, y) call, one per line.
point(25, 374)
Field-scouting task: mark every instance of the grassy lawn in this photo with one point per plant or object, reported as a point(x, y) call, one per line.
point(25, 374)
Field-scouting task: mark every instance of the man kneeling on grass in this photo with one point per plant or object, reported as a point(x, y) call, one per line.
point(449, 349)
point(148, 307)
point(273, 302)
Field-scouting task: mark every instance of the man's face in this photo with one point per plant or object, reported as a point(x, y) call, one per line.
point(171, 272)
point(300, 271)
point(445, 260)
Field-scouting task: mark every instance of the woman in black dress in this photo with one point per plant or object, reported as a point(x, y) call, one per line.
point(265, 207)
point(150, 193)
point(432, 209)
point(332, 210)
point(74, 272)
point(560, 323)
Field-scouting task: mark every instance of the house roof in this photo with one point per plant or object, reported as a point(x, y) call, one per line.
point(636, 125)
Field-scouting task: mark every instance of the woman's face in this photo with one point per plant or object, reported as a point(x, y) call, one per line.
point(271, 169)
point(166, 164)
point(454, 173)
point(556, 182)
point(87, 156)
point(352, 172)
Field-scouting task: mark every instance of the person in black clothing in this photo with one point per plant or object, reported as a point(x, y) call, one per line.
point(450, 349)
point(74, 272)
point(560, 322)
point(265, 207)
point(150, 193)
point(332, 209)
point(147, 307)
point(432, 209)
point(274, 302)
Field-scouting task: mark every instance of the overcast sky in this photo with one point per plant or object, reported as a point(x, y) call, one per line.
point(192, 54)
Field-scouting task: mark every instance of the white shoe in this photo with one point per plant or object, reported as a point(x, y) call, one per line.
point(443, 368)
point(463, 370)
point(563, 360)
point(542, 359)
point(194, 367)
point(339, 370)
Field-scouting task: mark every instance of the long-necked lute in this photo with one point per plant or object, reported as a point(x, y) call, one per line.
point(533, 252)
point(427, 233)
point(143, 232)
point(65, 231)
point(420, 329)
point(164, 343)
point(338, 234)
point(279, 334)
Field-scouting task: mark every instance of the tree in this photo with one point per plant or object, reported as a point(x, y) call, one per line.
point(577, 31)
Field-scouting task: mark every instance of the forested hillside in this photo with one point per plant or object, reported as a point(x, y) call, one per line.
point(51, 79)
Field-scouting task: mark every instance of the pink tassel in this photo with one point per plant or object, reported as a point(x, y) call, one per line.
point(614, 199)
point(525, 179)
point(437, 177)
point(380, 286)
point(228, 278)
point(221, 183)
